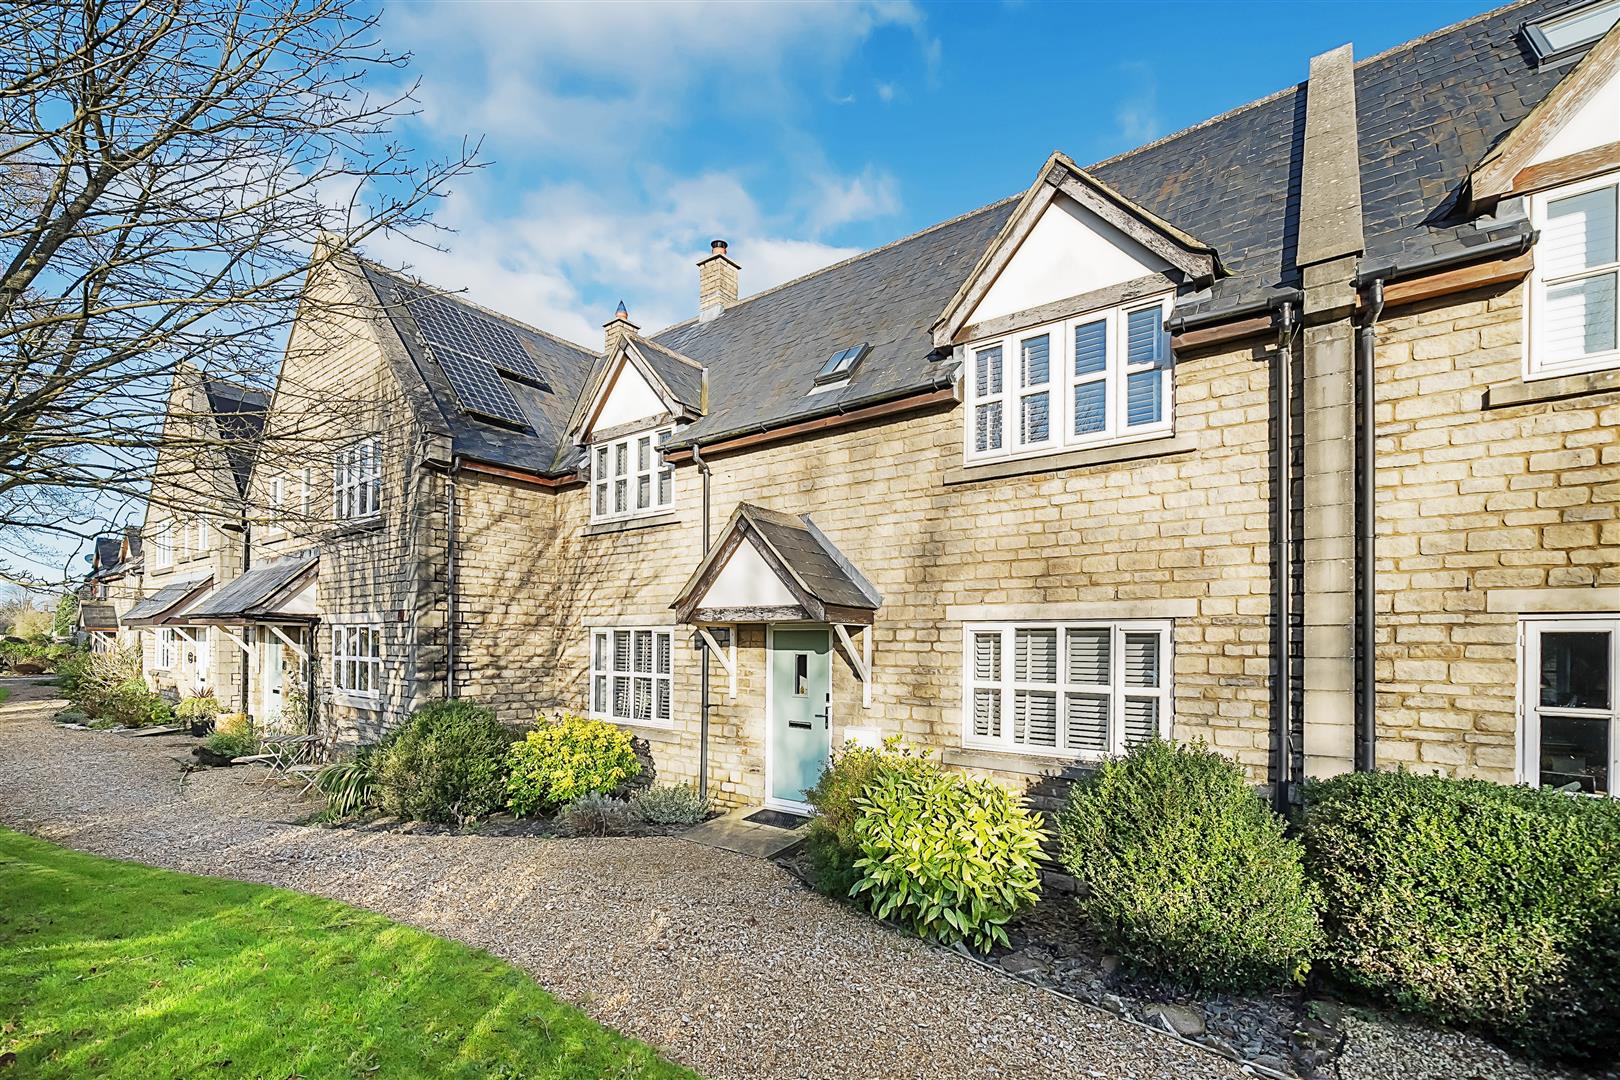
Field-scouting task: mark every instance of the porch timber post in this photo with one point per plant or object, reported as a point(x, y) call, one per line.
point(1329, 247)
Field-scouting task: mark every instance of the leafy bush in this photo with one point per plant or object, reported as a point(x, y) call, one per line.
point(92, 679)
point(350, 786)
point(203, 706)
point(566, 758)
point(674, 804)
point(133, 704)
point(66, 618)
point(830, 838)
point(1187, 872)
point(234, 723)
point(952, 856)
point(447, 763)
point(36, 657)
point(1475, 903)
point(596, 815)
point(232, 744)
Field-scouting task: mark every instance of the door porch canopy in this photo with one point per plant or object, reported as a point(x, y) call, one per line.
point(279, 591)
point(168, 605)
point(773, 567)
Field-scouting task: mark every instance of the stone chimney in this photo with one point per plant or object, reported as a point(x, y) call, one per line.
point(717, 282)
point(618, 329)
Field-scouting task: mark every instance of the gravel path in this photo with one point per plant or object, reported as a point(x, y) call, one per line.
point(725, 963)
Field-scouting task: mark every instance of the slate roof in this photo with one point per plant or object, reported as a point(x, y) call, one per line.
point(682, 374)
point(109, 549)
point(98, 616)
point(1427, 112)
point(763, 353)
point(239, 413)
point(565, 365)
point(163, 602)
point(252, 595)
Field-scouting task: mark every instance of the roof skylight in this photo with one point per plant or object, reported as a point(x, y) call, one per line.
point(842, 364)
point(1562, 33)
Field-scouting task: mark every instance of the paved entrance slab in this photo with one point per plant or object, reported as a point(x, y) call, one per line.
point(734, 832)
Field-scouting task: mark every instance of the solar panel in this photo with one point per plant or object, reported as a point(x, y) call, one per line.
point(462, 345)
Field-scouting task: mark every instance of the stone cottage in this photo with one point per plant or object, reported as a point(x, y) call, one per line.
point(1297, 432)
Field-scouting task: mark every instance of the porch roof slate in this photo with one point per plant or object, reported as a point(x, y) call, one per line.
point(249, 595)
point(161, 603)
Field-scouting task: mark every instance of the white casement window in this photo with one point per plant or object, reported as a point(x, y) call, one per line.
point(1074, 689)
point(357, 659)
point(277, 498)
point(1574, 319)
point(629, 477)
point(168, 649)
point(1099, 378)
point(306, 494)
point(202, 535)
point(163, 548)
point(357, 481)
point(1569, 718)
point(631, 675)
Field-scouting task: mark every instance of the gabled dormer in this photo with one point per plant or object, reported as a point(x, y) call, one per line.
point(637, 397)
point(1060, 326)
point(1564, 159)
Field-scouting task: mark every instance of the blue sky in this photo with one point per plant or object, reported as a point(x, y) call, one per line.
point(623, 138)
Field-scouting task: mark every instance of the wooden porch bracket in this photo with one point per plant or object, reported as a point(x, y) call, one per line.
point(726, 656)
point(303, 654)
point(860, 661)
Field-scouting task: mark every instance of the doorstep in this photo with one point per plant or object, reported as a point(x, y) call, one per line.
point(732, 832)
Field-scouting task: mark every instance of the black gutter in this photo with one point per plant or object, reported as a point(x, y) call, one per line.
point(1395, 269)
point(450, 580)
point(703, 701)
point(1367, 521)
point(1178, 324)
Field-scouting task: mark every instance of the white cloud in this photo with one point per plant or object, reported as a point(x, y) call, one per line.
point(1137, 117)
point(582, 104)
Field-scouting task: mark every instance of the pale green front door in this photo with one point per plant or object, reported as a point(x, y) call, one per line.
point(801, 691)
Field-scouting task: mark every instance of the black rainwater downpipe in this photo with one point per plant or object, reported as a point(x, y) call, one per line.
point(703, 699)
point(247, 564)
point(450, 582)
point(1282, 690)
point(1367, 522)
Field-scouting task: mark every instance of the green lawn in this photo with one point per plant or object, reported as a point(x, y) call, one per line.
point(5, 692)
point(112, 969)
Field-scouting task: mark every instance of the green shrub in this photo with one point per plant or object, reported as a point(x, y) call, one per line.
point(350, 786)
point(1186, 872)
point(203, 706)
point(232, 743)
point(952, 856)
point(132, 704)
point(94, 678)
point(596, 815)
point(674, 804)
point(447, 764)
point(566, 758)
point(830, 838)
point(1475, 903)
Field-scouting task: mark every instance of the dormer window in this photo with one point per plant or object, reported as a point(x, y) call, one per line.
point(1577, 26)
point(1574, 321)
point(629, 477)
point(1096, 378)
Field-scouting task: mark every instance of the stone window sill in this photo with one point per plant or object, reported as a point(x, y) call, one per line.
point(969, 757)
point(1554, 389)
point(608, 528)
point(347, 529)
point(1073, 459)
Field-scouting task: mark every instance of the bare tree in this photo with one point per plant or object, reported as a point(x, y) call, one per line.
point(166, 167)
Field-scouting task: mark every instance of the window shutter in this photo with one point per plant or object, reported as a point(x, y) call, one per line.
point(1141, 659)
point(987, 427)
point(662, 710)
point(643, 662)
point(621, 650)
point(1035, 656)
point(1091, 348)
point(1035, 718)
point(988, 376)
point(1579, 233)
point(1088, 656)
point(1090, 407)
point(1086, 722)
point(1036, 352)
point(987, 713)
point(987, 657)
point(1141, 720)
point(663, 653)
point(1579, 319)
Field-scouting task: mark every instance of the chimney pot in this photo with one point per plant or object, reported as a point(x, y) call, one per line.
point(616, 329)
point(717, 282)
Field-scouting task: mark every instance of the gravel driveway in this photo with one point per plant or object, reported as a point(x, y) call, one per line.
point(725, 963)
